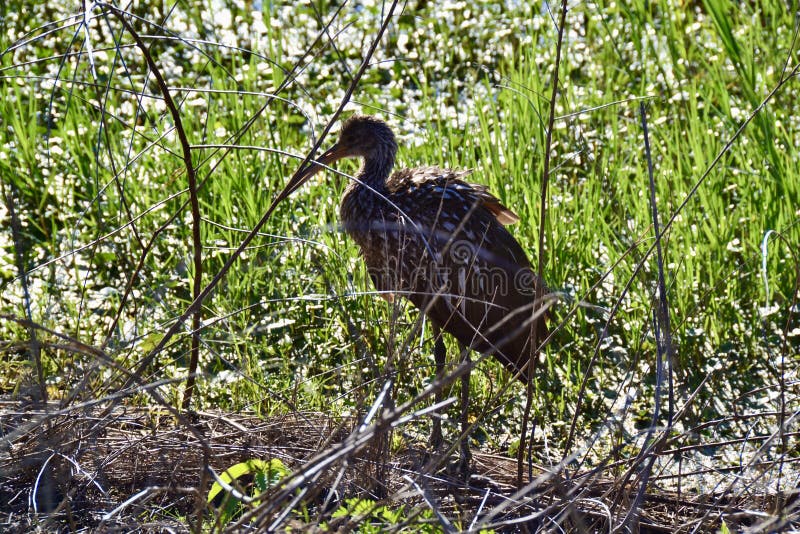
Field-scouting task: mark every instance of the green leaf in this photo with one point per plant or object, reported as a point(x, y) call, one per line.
point(265, 475)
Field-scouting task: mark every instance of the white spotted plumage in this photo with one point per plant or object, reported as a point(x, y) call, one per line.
point(441, 242)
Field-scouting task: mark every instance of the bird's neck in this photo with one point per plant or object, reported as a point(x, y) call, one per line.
point(363, 198)
point(370, 182)
point(375, 171)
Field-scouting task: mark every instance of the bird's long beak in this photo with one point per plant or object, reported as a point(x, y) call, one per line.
point(336, 152)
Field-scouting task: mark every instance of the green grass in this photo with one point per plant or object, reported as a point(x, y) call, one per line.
point(294, 326)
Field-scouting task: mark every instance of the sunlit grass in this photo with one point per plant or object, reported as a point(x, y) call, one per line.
point(294, 324)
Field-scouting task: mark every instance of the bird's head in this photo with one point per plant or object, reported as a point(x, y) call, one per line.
point(361, 136)
point(366, 137)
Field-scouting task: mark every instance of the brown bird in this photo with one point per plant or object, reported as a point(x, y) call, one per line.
point(441, 242)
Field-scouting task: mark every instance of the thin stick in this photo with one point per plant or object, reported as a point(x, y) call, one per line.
point(539, 292)
point(194, 202)
point(35, 346)
point(664, 348)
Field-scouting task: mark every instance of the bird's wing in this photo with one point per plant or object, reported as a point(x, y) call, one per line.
point(503, 215)
point(471, 277)
point(445, 180)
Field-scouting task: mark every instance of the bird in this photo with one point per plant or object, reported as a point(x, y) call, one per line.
point(430, 236)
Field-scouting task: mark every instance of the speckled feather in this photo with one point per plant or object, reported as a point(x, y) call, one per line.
point(440, 241)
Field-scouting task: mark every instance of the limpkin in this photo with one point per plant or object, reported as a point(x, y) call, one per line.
point(441, 242)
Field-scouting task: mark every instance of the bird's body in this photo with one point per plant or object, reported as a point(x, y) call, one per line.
point(428, 235)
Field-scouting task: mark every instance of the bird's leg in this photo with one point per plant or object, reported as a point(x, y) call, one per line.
point(465, 456)
point(439, 355)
